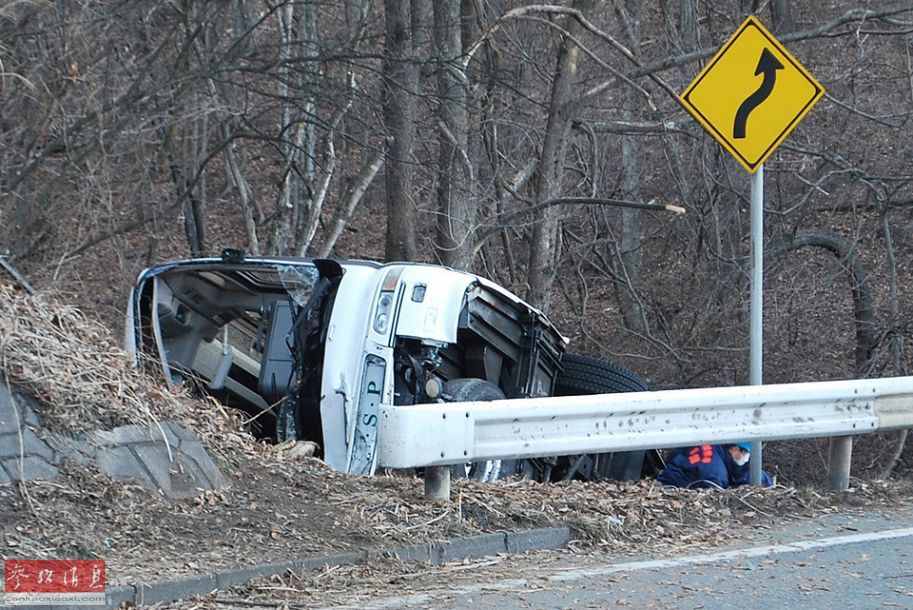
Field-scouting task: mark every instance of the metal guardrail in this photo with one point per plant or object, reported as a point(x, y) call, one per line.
point(454, 433)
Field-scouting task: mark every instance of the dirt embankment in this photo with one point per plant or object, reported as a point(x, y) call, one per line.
point(280, 506)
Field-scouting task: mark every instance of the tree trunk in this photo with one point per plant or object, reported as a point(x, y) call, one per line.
point(782, 17)
point(310, 206)
point(401, 82)
point(548, 179)
point(237, 179)
point(630, 242)
point(285, 205)
point(746, 7)
point(897, 366)
point(191, 207)
point(688, 25)
point(457, 210)
point(352, 198)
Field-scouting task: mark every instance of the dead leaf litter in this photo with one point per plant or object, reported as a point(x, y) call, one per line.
point(283, 504)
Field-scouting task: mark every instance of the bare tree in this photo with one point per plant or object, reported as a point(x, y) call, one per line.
point(457, 209)
point(551, 164)
point(403, 20)
point(135, 132)
point(781, 16)
point(629, 248)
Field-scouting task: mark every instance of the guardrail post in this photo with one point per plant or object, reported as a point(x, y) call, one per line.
point(437, 483)
point(840, 454)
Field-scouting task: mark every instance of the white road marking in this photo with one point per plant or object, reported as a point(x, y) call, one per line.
point(758, 551)
point(632, 566)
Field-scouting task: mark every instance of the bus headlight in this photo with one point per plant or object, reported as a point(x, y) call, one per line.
point(382, 313)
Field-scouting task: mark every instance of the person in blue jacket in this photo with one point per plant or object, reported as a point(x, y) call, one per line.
point(719, 466)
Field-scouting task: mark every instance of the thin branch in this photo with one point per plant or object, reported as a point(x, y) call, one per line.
point(482, 236)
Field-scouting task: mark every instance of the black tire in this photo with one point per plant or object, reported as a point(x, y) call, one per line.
point(584, 376)
point(472, 390)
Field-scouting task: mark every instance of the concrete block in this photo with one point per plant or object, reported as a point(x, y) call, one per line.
point(543, 538)
point(176, 479)
point(33, 467)
point(8, 416)
point(425, 553)
point(187, 476)
point(181, 432)
point(4, 478)
point(132, 435)
point(25, 410)
point(230, 578)
point(31, 445)
point(9, 444)
point(35, 446)
point(175, 589)
point(155, 458)
point(148, 463)
point(121, 464)
point(194, 451)
point(165, 433)
point(22, 403)
point(340, 559)
point(473, 546)
point(123, 435)
point(115, 596)
point(65, 447)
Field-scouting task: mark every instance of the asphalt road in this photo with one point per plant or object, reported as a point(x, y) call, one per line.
point(842, 561)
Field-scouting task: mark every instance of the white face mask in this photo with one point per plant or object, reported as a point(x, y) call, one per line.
point(743, 460)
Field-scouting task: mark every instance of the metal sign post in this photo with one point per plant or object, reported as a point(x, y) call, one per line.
point(756, 343)
point(749, 97)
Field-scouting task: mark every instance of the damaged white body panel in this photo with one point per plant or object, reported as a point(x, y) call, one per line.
point(312, 349)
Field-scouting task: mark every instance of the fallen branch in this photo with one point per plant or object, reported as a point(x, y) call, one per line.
point(16, 275)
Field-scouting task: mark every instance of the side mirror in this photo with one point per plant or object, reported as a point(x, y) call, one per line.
point(232, 255)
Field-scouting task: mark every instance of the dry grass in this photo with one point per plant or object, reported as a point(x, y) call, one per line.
point(83, 380)
point(282, 505)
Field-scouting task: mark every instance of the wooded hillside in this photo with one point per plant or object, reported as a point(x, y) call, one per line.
point(444, 130)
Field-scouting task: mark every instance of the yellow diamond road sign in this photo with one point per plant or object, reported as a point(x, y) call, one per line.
point(751, 94)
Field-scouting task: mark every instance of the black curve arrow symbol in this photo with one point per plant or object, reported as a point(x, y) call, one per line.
point(768, 65)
